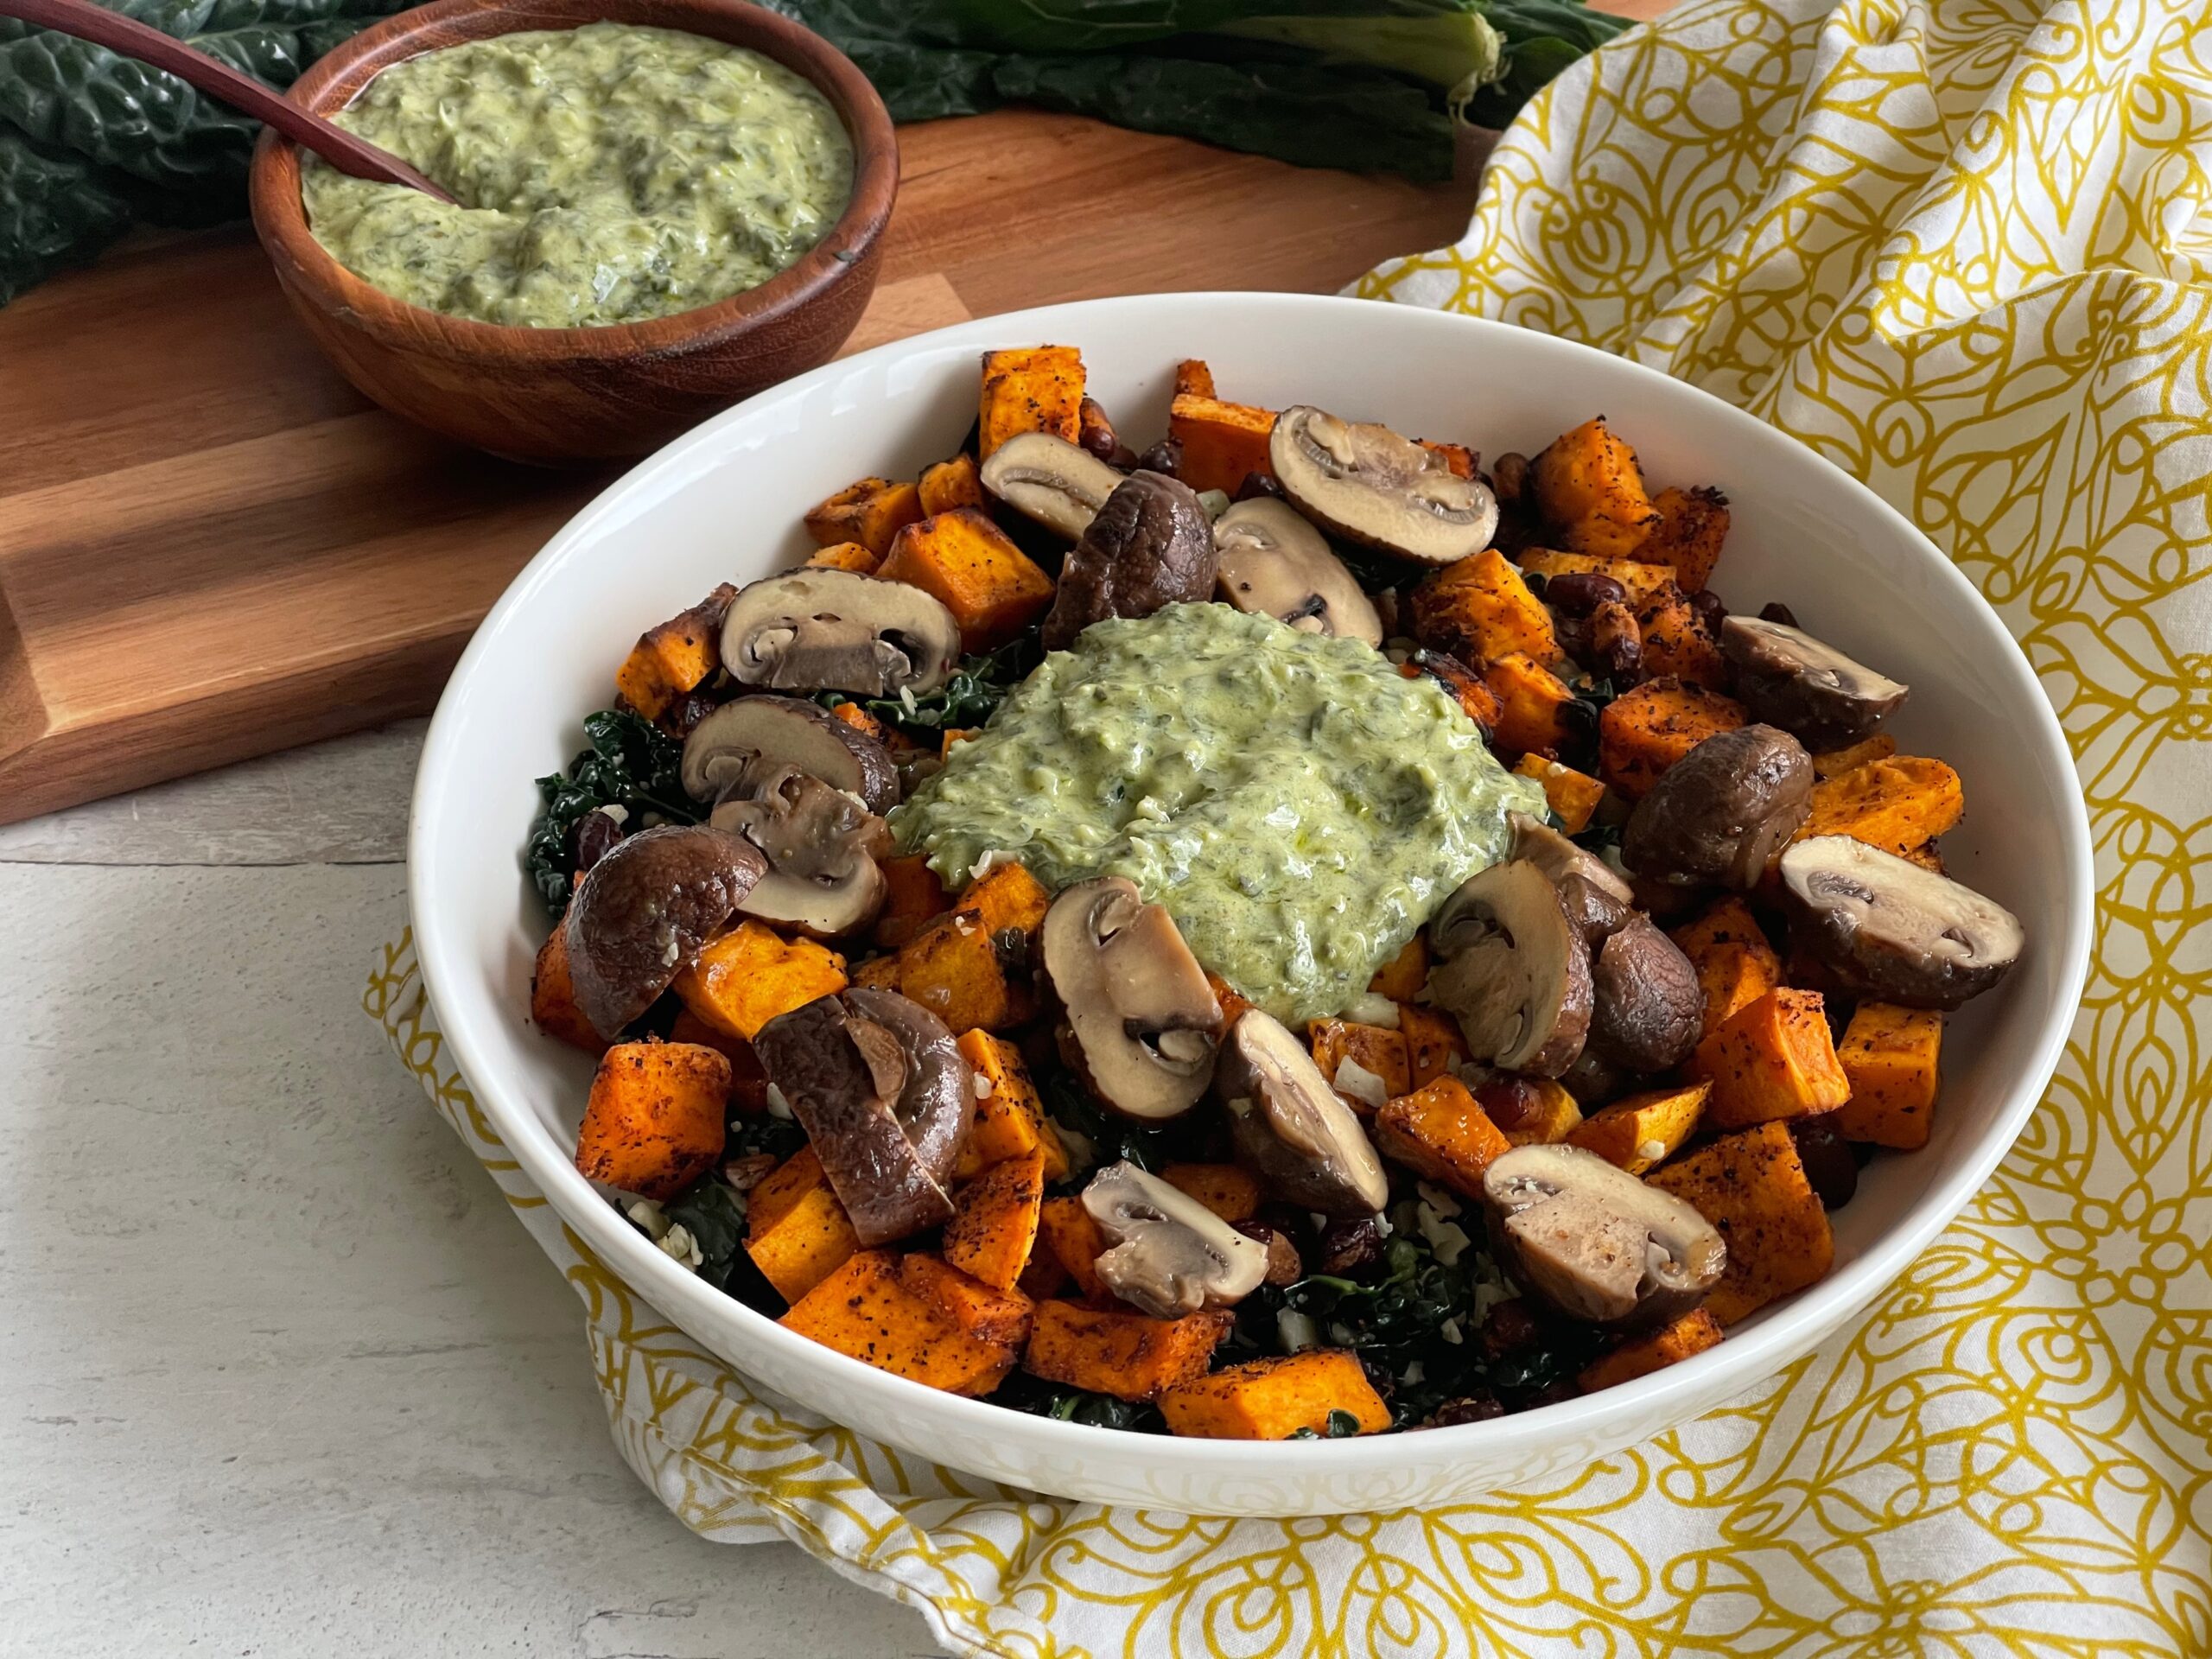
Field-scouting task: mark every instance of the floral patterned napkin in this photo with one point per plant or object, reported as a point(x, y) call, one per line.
point(1961, 249)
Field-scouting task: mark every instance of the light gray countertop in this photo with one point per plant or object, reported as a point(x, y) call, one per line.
point(281, 1376)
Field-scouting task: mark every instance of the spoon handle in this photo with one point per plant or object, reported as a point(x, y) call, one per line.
point(133, 38)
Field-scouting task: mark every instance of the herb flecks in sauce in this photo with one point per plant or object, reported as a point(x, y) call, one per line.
point(606, 174)
point(1298, 807)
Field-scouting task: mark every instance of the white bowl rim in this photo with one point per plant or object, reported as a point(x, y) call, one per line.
point(1754, 1354)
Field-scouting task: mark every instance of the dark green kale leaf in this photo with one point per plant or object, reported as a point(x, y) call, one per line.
point(632, 764)
point(1022, 1392)
point(715, 1216)
point(55, 211)
point(969, 699)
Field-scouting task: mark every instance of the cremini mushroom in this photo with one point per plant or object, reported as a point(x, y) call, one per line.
point(641, 913)
point(1788, 678)
point(1594, 1242)
point(1369, 485)
point(1291, 1127)
point(821, 845)
point(1516, 973)
point(1598, 899)
point(1888, 930)
point(1720, 814)
point(884, 1097)
point(1646, 1006)
point(1151, 545)
point(1167, 1253)
point(763, 734)
point(1274, 563)
point(816, 629)
point(1058, 484)
point(1141, 1024)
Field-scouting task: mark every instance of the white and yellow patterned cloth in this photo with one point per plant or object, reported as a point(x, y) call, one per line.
point(1964, 250)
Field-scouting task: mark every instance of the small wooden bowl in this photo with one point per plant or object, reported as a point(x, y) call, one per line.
point(553, 395)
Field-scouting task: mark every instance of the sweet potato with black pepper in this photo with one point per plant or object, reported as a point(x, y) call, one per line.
point(1374, 1050)
point(1479, 609)
point(1752, 1187)
point(1222, 443)
point(1229, 1190)
point(1895, 804)
point(675, 657)
point(1571, 795)
point(1531, 717)
point(653, 1123)
point(869, 510)
point(994, 1225)
point(916, 898)
point(1193, 378)
point(1401, 977)
point(1642, 732)
point(955, 968)
point(553, 1007)
point(992, 587)
point(1440, 1132)
point(846, 555)
point(1693, 1333)
point(1273, 1399)
point(1692, 524)
point(751, 974)
point(952, 484)
point(1434, 1043)
point(1890, 1056)
point(1587, 486)
point(1010, 1121)
point(1031, 389)
point(748, 1079)
point(1007, 899)
point(1734, 964)
point(1833, 763)
point(1678, 641)
point(795, 1231)
point(1129, 1356)
point(1643, 1129)
point(1773, 1058)
point(1072, 1236)
point(1465, 687)
point(866, 1310)
point(1641, 581)
point(982, 1311)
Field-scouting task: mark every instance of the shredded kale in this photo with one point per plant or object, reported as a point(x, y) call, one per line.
point(1341, 1425)
point(632, 764)
point(753, 1133)
point(1149, 1146)
point(715, 1216)
point(1022, 1392)
point(969, 698)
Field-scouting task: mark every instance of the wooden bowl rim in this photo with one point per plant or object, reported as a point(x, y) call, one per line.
point(338, 77)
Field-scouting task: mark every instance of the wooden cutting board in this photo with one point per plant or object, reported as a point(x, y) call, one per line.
point(211, 546)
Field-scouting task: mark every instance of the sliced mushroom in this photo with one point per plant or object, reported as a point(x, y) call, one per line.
point(1516, 974)
point(1597, 915)
point(1058, 484)
point(1647, 1007)
point(765, 733)
point(821, 847)
point(1168, 1254)
point(1596, 1243)
point(1887, 929)
point(1601, 899)
point(1369, 485)
point(884, 1097)
point(1291, 1127)
point(1142, 1024)
point(815, 629)
point(1151, 545)
point(1720, 813)
point(641, 913)
point(1788, 678)
point(1274, 563)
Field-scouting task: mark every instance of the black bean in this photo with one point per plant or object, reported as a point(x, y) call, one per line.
point(1468, 1408)
point(1578, 592)
point(1827, 1159)
point(1774, 611)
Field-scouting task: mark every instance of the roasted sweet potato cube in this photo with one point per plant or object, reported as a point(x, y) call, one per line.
point(1222, 443)
point(1895, 804)
point(1890, 1055)
point(1571, 795)
point(1008, 899)
point(1677, 641)
point(1642, 732)
point(553, 1007)
point(869, 510)
point(1233, 1001)
point(1367, 1064)
point(953, 968)
point(1126, 1355)
point(954, 735)
point(1531, 705)
point(1230, 1191)
point(1433, 1043)
point(1752, 1187)
point(1401, 977)
point(846, 555)
point(1073, 1238)
point(1833, 763)
point(1695, 1333)
point(990, 586)
point(952, 484)
point(1193, 378)
point(1467, 688)
point(1548, 1114)
point(1044, 1276)
point(1773, 1058)
point(994, 1224)
point(1272, 1399)
point(867, 1311)
point(1440, 1132)
point(1640, 581)
point(676, 656)
point(1693, 523)
point(1030, 389)
point(1479, 609)
point(1735, 964)
point(1459, 460)
point(653, 1123)
point(1589, 489)
point(852, 714)
point(979, 1310)
point(1010, 1121)
point(748, 1082)
point(916, 898)
point(751, 974)
point(795, 1231)
point(1643, 1129)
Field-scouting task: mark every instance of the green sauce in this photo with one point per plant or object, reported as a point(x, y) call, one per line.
point(1298, 806)
point(606, 175)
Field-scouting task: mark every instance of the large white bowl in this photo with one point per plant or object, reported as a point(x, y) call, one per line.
point(723, 504)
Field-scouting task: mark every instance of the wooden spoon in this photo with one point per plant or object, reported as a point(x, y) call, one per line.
point(219, 80)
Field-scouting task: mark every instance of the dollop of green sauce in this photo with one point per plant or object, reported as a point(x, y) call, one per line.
point(605, 174)
point(1298, 806)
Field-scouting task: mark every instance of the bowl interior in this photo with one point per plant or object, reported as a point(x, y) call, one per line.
point(723, 504)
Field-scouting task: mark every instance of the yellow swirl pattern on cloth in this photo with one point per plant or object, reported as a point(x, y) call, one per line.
point(1963, 251)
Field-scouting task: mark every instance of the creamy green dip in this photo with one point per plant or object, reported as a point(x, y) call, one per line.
point(1298, 805)
point(606, 175)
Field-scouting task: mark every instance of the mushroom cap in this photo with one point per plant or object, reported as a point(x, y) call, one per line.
point(1720, 814)
point(816, 629)
point(1593, 1243)
point(642, 913)
point(1515, 972)
point(1142, 1024)
point(1169, 1255)
point(1291, 1126)
point(1273, 563)
point(1369, 485)
point(1888, 930)
point(1150, 545)
point(1647, 1008)
point(776, 732)
point(821, 844)
point(1788, 678)
point(879, 1087)
point(1059, 484)
point(1597, 898)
